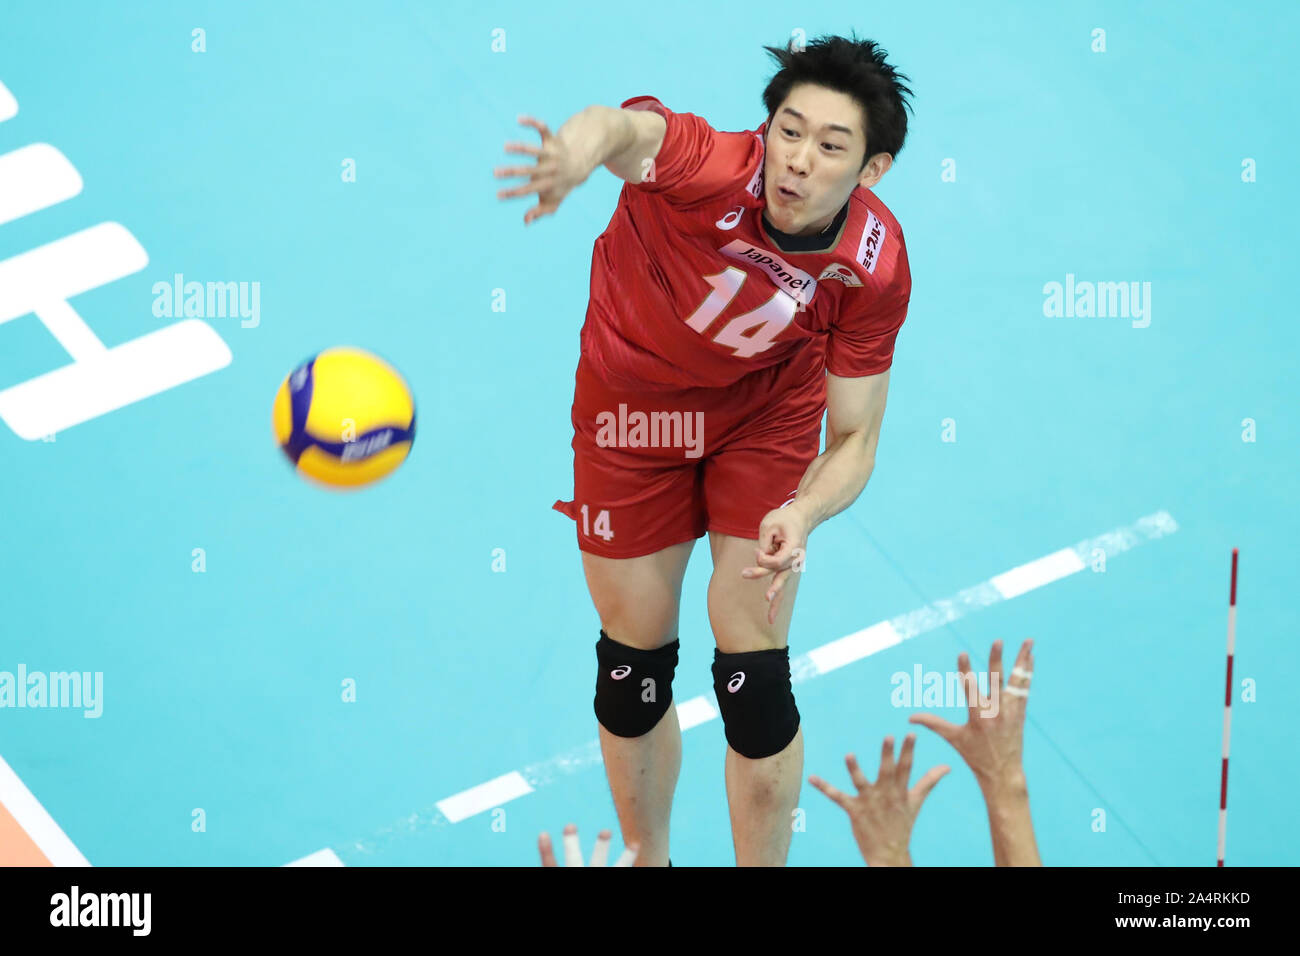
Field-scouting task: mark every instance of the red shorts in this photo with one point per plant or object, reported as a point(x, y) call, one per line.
point(654, 469)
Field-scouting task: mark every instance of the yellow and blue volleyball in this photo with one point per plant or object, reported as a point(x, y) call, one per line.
point(345, 418)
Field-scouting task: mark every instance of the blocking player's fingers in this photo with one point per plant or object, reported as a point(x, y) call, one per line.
point(995, 666)
point(905, 759)
point(970, 685)
point(755, 572)
point(855, 773)
point(1025, 657)
point(886, 759)
point(1018, 682)
point(547, 851)
point(572, 849)
point(926, 783)
point(600, 854)
point(629, 855)
point(833, 794)
point(945, 729)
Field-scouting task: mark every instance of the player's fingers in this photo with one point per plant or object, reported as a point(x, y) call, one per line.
point(629, 855)
point(855, 773)
point(537, 125)
point(769, 539)
point(995, 666)
point(943, 728)
point(600, 854)
point(572, 850)
point(833, 794)
point(547, 851)
point(926, 783)
point(777, 583)
point(886, 759)
point(1019, 680)
point(535, 186)
point(904, 772)
point(755, 572)
point(538, 211)
point(970, 685)
point(1025, 657)
point(773, 608)
point(509, 172)
point(526, 148)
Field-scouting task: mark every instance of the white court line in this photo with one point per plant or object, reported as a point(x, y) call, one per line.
point(1035, 574)
point(697, 711)
point(8, 105)
point(39, 825)
point(324, 857)
point(33, 178)
point(485, 796)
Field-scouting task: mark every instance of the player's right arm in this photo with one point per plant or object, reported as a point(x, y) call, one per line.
point(642, 141)
point(621, 140)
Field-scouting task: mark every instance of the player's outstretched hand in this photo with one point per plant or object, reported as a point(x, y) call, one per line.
point(573, 850)
point(882, 813)
point(782, 547)
point(559, 168)
point(992, 739)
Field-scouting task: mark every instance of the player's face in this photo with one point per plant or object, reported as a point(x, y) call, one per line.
point(815, 144)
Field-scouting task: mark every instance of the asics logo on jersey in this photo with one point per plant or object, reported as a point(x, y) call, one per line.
point(728, 222)
point(737, 679)
point(618, 673)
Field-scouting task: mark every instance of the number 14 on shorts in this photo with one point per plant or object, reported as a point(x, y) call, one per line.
point(601, 526)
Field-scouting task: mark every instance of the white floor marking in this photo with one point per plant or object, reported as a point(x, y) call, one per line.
point(696, 711)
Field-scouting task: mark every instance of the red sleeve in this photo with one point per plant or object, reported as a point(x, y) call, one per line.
point(862, 343)
point(696, 163)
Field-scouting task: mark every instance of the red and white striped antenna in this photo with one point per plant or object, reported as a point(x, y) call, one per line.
point(1227, 710)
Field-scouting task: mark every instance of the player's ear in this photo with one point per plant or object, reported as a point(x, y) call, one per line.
point(876, 168)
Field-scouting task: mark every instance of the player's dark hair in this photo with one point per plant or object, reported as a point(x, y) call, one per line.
point(854, 67)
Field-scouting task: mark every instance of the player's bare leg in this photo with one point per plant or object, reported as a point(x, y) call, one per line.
point(761, 793)
point(638, 601)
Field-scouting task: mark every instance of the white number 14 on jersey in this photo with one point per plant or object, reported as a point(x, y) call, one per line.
point(748, 334)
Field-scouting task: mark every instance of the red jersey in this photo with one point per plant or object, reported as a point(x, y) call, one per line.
point(690, 288)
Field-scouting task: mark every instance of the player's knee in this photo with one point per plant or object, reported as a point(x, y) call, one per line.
point(634, 687)
point(756, 701)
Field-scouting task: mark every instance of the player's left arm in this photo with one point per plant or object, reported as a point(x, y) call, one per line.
point(855, 409)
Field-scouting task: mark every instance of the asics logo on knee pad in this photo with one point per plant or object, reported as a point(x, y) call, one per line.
point(764, 719)
point(632, 708)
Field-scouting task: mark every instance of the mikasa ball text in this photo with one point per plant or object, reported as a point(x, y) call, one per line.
point(345, 418)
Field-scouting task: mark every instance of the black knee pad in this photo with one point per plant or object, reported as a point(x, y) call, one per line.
point(634, 688)
point(755, 700)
